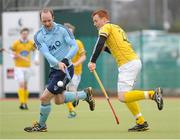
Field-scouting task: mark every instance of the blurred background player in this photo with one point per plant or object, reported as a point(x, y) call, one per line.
point(77, 61)
point(22, 50)
point(129, 65)
point(58, 46)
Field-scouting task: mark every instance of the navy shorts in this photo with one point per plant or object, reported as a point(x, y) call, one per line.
point(58, 75)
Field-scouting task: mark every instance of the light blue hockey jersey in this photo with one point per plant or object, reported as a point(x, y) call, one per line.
point(56, 44)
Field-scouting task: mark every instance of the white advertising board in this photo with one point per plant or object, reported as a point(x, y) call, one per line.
point(12, 23)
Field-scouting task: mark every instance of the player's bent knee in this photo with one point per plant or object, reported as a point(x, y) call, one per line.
point(121, 97)
point(59, 99)
point(44, 99)
point(58, 102)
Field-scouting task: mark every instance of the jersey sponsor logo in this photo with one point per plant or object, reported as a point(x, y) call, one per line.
point(55, 46)
point(24, 53)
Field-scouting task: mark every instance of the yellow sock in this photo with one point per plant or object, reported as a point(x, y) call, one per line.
point(21, 95)
point(135, 110)
point(26, 96)
point(140, 120)
point(151, 93)
point(70, 106)
point(136, 95)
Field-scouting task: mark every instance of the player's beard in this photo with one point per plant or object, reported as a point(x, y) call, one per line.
point(49, 26)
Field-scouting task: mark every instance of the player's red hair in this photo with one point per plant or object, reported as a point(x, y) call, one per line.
point(101, 13)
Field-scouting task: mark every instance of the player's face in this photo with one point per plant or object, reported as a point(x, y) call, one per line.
point(98, 22)
point(47, 20)
point(24, 35)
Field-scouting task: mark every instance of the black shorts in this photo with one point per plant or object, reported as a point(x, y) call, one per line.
point(58, 75)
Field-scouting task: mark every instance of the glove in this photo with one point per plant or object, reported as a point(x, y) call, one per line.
point(65, 61)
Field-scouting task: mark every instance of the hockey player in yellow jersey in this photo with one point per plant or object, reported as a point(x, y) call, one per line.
point(113, 40)
point(22, 48)
point(77, 60)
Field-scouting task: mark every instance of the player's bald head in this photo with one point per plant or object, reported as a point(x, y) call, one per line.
point(46, 11)
point(47, 17)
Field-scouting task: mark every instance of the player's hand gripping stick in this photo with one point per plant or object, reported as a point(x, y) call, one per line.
point(67, 77)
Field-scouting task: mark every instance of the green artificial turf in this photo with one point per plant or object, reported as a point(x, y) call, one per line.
point(98, 124)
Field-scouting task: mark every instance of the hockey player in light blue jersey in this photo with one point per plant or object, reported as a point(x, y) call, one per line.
point(58, 46)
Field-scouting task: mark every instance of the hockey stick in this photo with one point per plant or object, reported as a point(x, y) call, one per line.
point(67, 77)
point(105, 94)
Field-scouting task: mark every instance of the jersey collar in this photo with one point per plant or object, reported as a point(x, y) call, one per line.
point(23, 41)
point(106, 23)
